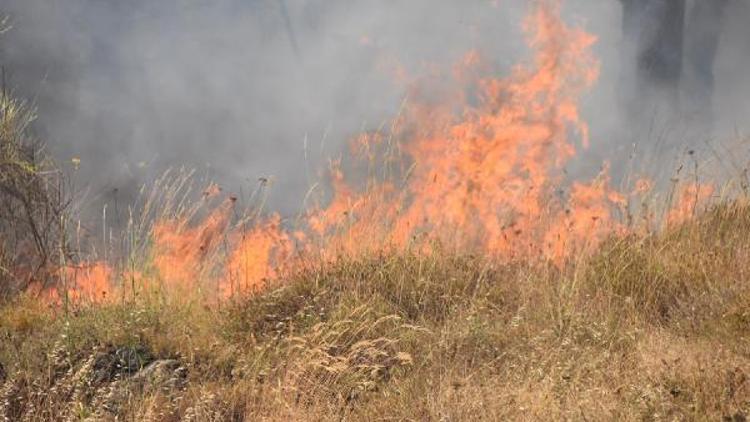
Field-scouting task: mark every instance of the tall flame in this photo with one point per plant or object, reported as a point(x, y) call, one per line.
point(485, 177)
point(479, 167)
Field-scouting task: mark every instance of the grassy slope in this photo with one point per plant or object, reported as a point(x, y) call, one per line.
point(648, 328)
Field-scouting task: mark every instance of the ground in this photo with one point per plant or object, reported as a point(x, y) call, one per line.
point(649, 327)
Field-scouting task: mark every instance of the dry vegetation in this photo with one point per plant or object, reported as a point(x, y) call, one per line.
point(649, 328)
point(32, 203)
point(653, 326)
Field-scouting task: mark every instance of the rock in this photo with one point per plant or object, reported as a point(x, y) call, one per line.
point(167, 375)
point(116, 363)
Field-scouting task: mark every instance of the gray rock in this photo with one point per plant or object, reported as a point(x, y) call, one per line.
point(118, 363)
point(167, 375)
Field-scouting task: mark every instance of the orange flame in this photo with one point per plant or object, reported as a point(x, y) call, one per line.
point(90, 283)
point(485, 177)
point(688, 200)
point(478, 167)
point(181, 251)
point(255, 257)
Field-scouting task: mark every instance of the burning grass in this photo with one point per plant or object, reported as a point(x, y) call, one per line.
point(652, 327)
point(467, 277)
point(478, 168)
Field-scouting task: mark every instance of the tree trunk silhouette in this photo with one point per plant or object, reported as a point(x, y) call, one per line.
point(654, 34)
point(704, 28)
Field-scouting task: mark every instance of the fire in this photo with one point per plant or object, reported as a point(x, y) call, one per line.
point(688, 199)
point(484, 177)
point(255, 258)
point(89, 283)
point(181, 251)
point(478, 167)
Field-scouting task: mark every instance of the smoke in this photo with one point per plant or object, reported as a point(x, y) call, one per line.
point(271, 88)
point(731, 98)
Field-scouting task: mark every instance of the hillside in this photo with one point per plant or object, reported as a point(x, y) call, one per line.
point(650, 327)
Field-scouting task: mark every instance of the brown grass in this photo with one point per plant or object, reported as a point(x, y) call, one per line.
point(651, 327)
point(33, 203)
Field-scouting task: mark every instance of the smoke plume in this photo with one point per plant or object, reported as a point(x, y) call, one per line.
point(271, 88)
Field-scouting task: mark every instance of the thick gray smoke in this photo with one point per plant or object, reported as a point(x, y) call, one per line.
point(247, 89)
point(256, 88)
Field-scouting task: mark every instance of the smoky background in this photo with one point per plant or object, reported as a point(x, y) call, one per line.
point(243, 90)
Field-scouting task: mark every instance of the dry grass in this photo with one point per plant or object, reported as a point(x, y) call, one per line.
point(33, 203)
point(649, 328)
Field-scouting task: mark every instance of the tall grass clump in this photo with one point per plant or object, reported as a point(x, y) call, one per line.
point(33, 204)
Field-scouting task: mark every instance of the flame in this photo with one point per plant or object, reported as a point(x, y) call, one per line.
point(256, 257)
point(484, 176)
point(89, 283)
point(688, 199)
point(181, 252)
point(477, 167)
